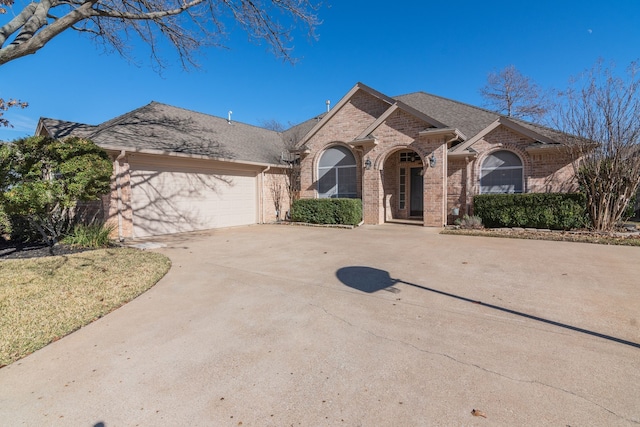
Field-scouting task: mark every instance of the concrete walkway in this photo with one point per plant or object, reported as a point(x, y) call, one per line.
point(389, 325)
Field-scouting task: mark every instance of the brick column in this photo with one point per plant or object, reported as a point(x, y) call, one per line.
point(435, 186)
point(372, 197)
point(126, 212)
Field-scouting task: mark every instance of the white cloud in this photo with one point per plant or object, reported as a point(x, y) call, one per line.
point(21, 122)
point(23, 125)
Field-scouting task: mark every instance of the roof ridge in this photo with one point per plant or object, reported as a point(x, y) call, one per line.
point(211, 115)
point(466, 104)
point(112, 122)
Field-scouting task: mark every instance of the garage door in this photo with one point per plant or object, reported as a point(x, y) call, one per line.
point(172, 200)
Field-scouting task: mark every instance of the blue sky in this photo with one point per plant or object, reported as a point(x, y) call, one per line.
point(444, 48)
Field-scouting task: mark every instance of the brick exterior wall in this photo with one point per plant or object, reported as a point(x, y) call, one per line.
point(110, 201)
point(450, 184)
point(547, 170)
point(449, 187)
point(275, 181)
point(456, 189)
point(378, 186)
point(270, 180)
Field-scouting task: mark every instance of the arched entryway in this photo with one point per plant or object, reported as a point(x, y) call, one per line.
point(403, 185)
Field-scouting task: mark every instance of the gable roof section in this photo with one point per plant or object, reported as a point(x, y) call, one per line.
point(63, 128)
point(365, 135)
point(337, 108)
point(509, 124)
point(162, 128)
point(403, 107)
point(476, 122)
point(468, 119)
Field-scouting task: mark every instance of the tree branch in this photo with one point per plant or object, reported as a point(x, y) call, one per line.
point(33, 43)
point(16, 23)
point(186, 24)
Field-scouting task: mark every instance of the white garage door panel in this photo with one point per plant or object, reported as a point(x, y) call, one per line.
point(177, 201)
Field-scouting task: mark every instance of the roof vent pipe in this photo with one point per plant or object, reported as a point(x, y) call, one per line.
point(328, 102)
point(229, 117)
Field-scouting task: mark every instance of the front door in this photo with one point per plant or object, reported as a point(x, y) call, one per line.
point(416, 202)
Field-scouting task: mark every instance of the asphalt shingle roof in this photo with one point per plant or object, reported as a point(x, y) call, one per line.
point(469, 119)
point(165, 128)
point(162, 127)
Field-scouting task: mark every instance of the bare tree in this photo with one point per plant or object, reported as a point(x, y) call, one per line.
point(289, 138)
point(510, 93)
point(273, 124)
point(5, 105)
point(600, 113)
point(277, 188)
point(187, 24)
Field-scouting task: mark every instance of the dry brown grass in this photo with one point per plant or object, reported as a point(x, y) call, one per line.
point(44, 299)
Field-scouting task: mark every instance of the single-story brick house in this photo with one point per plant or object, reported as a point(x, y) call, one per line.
point(411, 157)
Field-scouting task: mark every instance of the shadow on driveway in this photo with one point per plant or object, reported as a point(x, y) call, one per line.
point(370, 280)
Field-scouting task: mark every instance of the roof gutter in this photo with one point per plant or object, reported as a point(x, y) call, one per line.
point(185, 155)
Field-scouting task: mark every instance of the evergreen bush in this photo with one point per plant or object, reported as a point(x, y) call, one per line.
point(327, 211)
point(556, 211)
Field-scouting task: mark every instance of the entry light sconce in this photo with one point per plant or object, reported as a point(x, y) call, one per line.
point(367, 164)
point(433, 161)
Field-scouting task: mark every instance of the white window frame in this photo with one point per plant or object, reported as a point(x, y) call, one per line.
point(505, 168)
point(335, 170)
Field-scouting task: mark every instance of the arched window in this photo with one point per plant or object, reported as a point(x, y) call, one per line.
point(501, 172)
point(337, 173)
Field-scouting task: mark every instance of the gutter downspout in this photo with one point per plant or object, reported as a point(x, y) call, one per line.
point(119, 192)
point(262, 214)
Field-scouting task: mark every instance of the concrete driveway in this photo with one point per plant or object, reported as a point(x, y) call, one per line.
point(379, 326)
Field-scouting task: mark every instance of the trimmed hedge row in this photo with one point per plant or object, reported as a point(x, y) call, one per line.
point(327, 211)
point(556, 211)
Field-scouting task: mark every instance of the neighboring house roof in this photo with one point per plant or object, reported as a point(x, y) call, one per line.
point(164, 128)
point(61, 128)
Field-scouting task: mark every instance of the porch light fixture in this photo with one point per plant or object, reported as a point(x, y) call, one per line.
point(367, 164)
point(433, 161)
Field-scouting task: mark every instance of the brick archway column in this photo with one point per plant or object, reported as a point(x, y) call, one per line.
point(435, 186)
point(372, 196)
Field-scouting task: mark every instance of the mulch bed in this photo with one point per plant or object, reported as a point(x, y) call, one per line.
point(621, 237)
point(10, 250)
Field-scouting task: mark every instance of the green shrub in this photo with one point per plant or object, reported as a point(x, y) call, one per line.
point(5, 223)
point(42, 180)
point(20, 230)
point(557, 211)
point(327, 211)
point(89, 236)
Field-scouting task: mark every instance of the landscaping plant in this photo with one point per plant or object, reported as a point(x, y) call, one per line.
point(90, 235)
point(327, 211)
point(469, 222)
point(42, 179)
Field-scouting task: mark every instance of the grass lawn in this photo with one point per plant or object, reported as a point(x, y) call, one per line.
point(44, 299)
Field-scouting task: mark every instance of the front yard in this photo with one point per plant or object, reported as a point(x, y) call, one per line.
point(44, 299)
